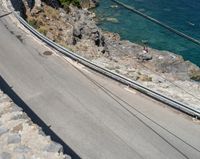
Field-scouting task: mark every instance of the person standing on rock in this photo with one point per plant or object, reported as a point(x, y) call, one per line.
point(145, 49)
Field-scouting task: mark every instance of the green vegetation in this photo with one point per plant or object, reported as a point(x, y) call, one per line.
point(66, 3)
point(38, 25)
point(43, 30)
point(195, 75)
point(33, 23)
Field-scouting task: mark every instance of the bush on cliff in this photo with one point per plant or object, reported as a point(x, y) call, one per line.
point(66, 3)
point(195, 75)
point(33, 23)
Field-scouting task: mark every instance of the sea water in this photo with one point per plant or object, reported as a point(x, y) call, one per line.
point(182, 15)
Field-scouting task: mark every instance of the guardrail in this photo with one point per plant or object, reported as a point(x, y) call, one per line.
point(167, 100)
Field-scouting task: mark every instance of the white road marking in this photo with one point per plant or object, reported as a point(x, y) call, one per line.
point(130, 90)
point(76, 64)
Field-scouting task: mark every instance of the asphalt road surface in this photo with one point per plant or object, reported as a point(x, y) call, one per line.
point(96, 117)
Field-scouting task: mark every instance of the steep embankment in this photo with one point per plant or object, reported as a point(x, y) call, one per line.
point(76, 29)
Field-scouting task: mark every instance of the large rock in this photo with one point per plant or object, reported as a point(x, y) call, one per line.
point(14, 138)
point(37, 7)
point(89, 3)
point(54, 147)
point(22, 149)
point(3, 130)
point(144, 56)
point(5, 155)
point(85, 27)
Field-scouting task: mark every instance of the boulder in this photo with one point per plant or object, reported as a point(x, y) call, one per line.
point(37, 7)
point(22, 149)
point(3, 130)
point(5, 155)
point(14, 138)
point(54, 147)
point(144, 56)
point(89, 3)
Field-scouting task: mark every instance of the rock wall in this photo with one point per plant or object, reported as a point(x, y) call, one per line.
point(20, 138)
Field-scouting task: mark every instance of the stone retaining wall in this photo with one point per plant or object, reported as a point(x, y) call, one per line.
point(20, 138)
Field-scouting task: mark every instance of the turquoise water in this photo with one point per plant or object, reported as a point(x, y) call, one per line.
point(183, 15)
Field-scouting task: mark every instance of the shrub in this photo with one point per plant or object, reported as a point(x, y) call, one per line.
point(195, 75)
point(33, 23)
point(51, 12)
point(43, 30)
point(66, 3)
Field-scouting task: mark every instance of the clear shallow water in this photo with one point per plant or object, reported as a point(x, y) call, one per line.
point(183, 15)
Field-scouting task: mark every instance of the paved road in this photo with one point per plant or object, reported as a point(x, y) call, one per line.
point(95, 116)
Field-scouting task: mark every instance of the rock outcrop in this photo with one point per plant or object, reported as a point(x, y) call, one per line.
point(89, 3)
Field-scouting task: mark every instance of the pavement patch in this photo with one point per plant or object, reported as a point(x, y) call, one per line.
point(47, 53)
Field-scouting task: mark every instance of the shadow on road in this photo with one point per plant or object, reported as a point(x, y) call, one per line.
point(1, 16)
point(19, 6)
point(17, 100)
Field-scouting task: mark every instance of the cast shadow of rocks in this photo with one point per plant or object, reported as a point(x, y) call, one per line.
point(19, 6)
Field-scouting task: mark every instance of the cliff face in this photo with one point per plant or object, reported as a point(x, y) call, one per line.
point(57, 4)
point(67, 26)
point(33, 6)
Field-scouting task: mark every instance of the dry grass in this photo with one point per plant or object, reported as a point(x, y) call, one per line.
point(195, 75)
point(43, 30)
point(51, 12)
point(145, 78)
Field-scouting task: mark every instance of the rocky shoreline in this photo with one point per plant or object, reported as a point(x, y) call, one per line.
point(20, 138)
point(77, 30)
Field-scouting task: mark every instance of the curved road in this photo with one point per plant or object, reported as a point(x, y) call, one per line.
point(95, 116)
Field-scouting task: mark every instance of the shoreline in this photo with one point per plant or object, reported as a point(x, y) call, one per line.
point(137, 28)
point(161, 71)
